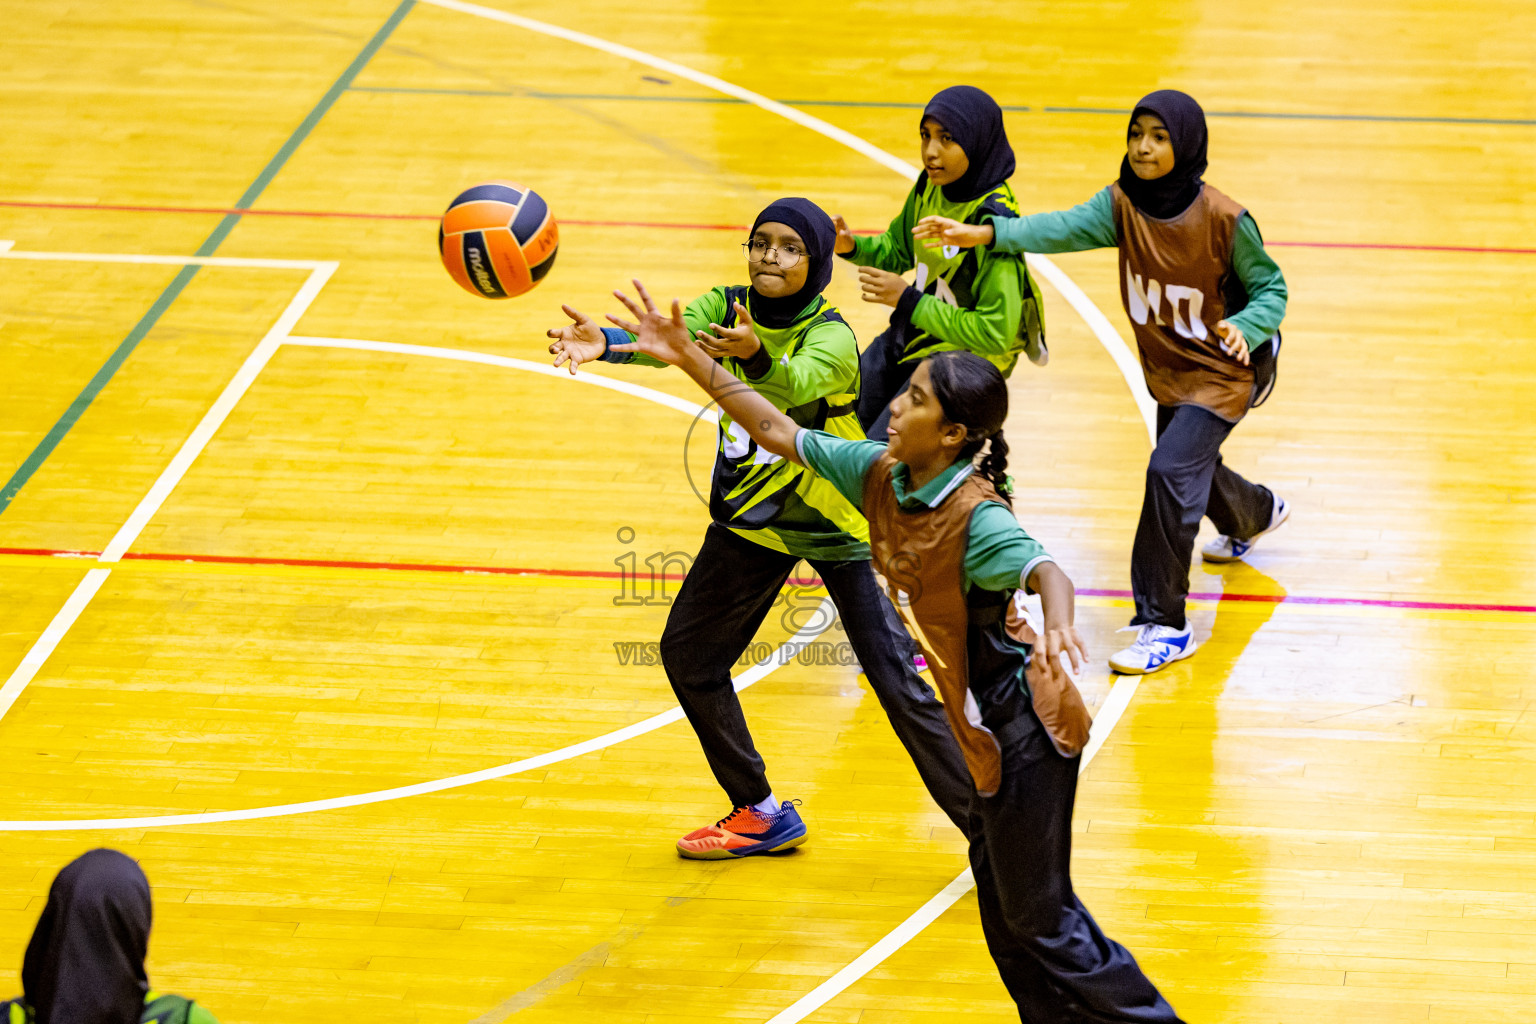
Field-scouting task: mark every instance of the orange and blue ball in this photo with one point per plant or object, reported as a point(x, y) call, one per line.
point(498, 240)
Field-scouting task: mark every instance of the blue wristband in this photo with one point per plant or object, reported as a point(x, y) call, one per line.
point(615, 336)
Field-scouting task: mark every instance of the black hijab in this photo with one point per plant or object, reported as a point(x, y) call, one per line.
point(1171, 194)
point(815, 228)
point(85, 963)
point(975, 121)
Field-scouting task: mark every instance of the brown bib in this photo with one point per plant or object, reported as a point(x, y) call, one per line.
point(921, 554)
point(1171, 273)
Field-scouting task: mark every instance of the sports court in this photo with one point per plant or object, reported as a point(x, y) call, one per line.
point(327, 599)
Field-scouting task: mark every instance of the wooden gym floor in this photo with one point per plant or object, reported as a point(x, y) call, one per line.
point(249, 567)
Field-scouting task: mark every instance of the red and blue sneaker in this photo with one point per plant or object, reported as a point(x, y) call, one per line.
point(745, 831)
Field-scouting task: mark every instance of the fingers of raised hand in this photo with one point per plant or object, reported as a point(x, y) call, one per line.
point(575, 314)
point(645, 296)
point(744, 313)
point(624, 325)
point(629, 304)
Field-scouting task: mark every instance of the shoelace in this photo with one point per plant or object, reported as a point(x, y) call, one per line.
point(792, 802)
point(1144, 638)
point(744, 808)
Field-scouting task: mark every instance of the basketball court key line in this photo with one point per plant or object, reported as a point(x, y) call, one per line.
point(1074, 295)
point(178, 284)
point(182, 463)
point(319, 273)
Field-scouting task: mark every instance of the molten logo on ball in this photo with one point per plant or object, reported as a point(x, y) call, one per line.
point(498, 239)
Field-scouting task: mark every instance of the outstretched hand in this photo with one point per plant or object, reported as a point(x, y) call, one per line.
point(662, 337)
point(947, 231)
point(740, 341)
point(577, 342)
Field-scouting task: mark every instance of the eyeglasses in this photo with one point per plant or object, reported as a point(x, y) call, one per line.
point(785, 256)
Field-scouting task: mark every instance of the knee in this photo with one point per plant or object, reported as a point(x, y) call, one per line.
point(1164, 467)
point(679, 657)
point(1034, 914)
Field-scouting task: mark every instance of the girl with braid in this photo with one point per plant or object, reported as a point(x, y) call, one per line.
point(953, 555)
point(781, 337)
point(1205, 302)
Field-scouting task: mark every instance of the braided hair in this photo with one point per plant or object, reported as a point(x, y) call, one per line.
point(972, 393)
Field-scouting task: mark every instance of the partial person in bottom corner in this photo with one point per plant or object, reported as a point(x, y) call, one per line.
point(85, 963)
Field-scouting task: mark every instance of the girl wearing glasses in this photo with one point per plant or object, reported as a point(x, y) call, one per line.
point(782, 339)
point(976, 300)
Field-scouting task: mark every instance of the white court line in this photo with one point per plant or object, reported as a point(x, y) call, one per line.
point(34, 658)
point(5, 244)
point(319, 273)
point(741, 682)
point(1108, 337)
point(682, 405)
point(250, 263)
point(182, 463)
point(217, 414)
point(1114, 704)
point(1109, 714)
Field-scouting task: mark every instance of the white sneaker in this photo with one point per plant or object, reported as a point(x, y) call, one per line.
point(1155, 648)
point(1231, 549)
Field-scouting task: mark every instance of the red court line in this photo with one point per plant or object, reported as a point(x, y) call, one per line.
point(502, 570)
point(665, 225)
point(1358, 602)
point(1404, 247)
point(323, 563)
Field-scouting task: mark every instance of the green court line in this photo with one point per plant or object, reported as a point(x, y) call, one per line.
point(892, 105)
point(184, 276)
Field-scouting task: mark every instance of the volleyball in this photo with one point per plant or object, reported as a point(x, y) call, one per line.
point(498, 240)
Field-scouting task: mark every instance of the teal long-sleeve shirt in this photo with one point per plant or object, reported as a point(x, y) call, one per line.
point(1091, 225)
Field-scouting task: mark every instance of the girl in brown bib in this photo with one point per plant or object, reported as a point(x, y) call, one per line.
point(1205, 302)
point(953, 557)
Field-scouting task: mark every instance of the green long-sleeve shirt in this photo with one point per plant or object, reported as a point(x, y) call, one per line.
point(1091, 225)
point(979, 300)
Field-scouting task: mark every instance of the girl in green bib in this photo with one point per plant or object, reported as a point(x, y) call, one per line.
point(975, 300)
point(85, 963)
point(780, 338)
point(954, 557)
